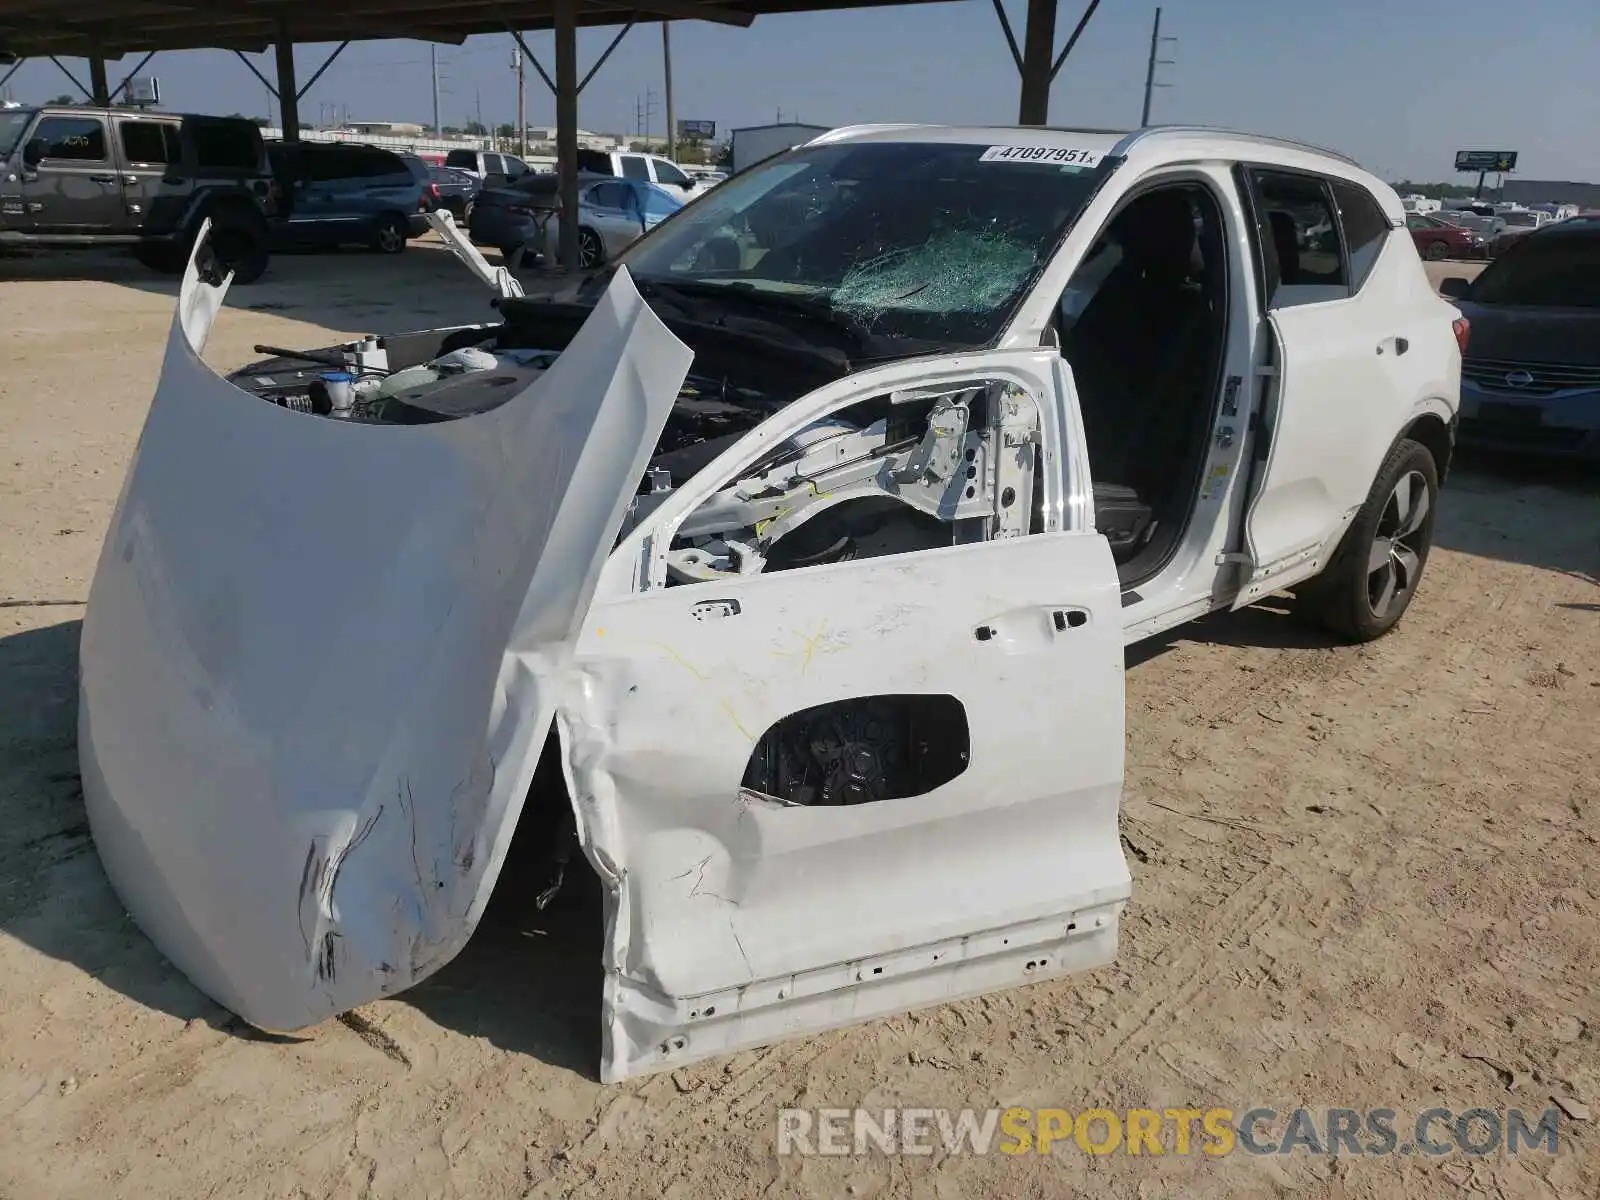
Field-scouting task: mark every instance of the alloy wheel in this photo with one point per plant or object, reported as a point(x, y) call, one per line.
point(1395, 559)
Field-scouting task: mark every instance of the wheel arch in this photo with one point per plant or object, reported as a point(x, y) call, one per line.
point(1437, 436)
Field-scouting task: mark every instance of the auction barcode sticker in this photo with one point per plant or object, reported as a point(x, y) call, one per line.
point(1066, 156)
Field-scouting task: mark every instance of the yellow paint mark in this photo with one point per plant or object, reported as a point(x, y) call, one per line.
point(734, 717)
point(812, 645)
point(684, 662)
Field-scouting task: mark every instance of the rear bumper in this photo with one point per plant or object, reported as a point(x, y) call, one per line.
point(1564, 424)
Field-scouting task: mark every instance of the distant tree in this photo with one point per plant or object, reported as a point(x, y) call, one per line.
point(507, 130)
point(477, 129)
point(262, 122)
point(451, 129)
point(64, 99)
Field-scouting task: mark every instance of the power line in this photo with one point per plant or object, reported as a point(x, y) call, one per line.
point(1150, 83)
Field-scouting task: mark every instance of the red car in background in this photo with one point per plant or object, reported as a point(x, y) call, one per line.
point(1438, 239)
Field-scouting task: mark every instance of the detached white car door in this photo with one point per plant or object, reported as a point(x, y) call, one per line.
point(737, 918)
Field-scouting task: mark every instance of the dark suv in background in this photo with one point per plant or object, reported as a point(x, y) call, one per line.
point(339, 193)
point(83, 177)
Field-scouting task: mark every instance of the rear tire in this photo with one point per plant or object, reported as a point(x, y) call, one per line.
point(392, 234)
point(240, 244)
point(1438, 251)
point(1367, 587)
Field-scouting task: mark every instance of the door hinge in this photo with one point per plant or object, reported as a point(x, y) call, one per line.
point(1233, 556)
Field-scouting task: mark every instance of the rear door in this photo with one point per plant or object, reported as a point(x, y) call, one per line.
point(75, 188)
point(731, 745)
point(1330, 401)
point(155, 188)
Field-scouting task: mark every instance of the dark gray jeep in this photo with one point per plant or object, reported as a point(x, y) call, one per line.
point(74, 176)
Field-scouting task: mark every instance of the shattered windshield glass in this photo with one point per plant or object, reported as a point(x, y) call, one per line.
point(896, 239)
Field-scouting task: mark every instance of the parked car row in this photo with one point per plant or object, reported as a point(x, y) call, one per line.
point(73, 176)
point(522, 219)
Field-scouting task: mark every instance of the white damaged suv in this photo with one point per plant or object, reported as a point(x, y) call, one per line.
point(805, 541)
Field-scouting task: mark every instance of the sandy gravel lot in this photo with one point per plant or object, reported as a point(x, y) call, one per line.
point(1363, 877)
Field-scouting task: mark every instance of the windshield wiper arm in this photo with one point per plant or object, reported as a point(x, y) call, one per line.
point(818, 312)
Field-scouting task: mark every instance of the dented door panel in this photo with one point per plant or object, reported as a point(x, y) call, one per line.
point(738, 917)
point(319, 659)
point(826, 793)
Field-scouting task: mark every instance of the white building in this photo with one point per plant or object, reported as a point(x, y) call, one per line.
point(756, 142)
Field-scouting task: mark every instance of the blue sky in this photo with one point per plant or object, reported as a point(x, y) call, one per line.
point(1399, 85)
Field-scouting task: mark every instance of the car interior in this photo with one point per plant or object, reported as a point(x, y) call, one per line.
point(1142, 324)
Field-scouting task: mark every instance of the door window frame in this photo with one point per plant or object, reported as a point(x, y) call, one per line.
point(49, 160)
point(1268, 270)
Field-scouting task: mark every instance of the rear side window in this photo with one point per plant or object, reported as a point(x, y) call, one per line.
point(634, 167)
point(229, 145)
point(380, 164)
point(1544, 271)
point(1299, 240)
point(1366, 229)
point(667, 173)
point(465, 159)
point(72, 139)
point(150, 142)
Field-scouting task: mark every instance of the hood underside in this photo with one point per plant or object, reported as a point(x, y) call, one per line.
point(319, 657)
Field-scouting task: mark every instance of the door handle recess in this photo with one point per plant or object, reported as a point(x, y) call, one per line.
point(102, 178)
point(1401, 345)
point(710, 610)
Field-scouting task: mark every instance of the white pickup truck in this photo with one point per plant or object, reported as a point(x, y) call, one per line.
point(657, 170)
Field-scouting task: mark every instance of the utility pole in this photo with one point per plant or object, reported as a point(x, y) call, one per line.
point(522, 111)
point(1150, 83)
point(433, 57)
point(666, 64)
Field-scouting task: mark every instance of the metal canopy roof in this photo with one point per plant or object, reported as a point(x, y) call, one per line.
point(113, 28)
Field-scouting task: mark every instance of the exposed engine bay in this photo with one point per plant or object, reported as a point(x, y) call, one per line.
point(895, 473)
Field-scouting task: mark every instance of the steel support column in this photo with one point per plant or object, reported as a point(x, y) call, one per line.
point(99, 88)
point(566, 29)
point(1038, 54)
point(288, 96)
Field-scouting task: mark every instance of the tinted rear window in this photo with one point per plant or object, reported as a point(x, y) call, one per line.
point(220, 143)
point(462, 158)
point(1545, 272)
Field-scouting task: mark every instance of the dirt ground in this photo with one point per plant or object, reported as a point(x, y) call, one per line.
point(1362, 878)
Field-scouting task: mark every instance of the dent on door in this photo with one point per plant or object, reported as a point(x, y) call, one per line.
point(320, 659)
point(750, 899)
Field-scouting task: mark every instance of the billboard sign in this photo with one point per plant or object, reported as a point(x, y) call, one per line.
point(1486, 160)
point(697, 129)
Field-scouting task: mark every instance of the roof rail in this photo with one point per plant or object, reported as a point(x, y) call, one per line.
point(1139, 135)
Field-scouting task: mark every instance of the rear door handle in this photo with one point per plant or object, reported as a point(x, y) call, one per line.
point(103, 178)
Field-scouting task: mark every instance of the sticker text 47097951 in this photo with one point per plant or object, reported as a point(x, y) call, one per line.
point(1068, 156)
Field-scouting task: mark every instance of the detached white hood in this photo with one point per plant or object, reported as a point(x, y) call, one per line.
point(319, 658)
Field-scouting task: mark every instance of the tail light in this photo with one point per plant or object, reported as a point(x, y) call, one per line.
point(434, 189)
point(1463, 329)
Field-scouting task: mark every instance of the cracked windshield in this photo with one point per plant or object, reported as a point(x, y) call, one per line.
point(886, 242)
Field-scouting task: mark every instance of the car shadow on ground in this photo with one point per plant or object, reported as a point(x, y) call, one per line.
point(1537, 512)
point(529, 981)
